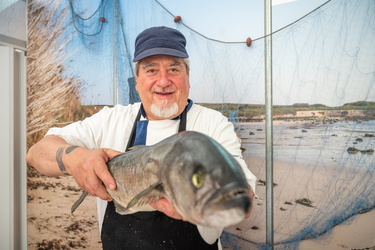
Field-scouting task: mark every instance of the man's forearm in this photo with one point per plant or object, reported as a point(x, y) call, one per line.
point(45, 154)
point(53, 156)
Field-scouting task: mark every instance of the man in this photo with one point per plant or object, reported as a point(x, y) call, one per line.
point(82, 149)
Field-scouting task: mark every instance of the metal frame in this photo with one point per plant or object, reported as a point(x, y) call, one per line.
point(13, 178)
point(269, 123)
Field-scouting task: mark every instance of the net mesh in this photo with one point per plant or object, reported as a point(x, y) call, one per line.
point(323, 92)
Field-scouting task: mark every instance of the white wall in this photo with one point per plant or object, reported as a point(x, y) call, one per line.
point(13, 185)
point(13, 179)
point(12, 23)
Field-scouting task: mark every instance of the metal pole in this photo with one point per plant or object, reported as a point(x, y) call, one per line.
point(115, 80)
point(269, 129)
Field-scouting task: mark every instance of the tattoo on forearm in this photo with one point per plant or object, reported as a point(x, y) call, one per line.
point(60, 163)
point(70, 149)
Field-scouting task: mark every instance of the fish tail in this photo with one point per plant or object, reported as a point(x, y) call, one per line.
point(79, 201)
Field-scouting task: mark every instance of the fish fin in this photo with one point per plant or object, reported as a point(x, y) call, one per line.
point(120, 209)
point(79, 201)
point(152, 194)
point(210, 234)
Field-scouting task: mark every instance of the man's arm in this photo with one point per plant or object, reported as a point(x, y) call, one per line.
point(53, 156)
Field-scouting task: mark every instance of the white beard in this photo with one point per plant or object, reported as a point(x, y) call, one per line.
point(164, 111)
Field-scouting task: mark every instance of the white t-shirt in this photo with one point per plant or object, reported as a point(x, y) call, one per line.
point(111, 128)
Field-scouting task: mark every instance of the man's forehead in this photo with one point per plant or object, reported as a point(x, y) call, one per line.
point(156, 60)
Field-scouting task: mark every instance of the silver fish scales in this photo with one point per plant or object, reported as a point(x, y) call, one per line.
point(192, 171)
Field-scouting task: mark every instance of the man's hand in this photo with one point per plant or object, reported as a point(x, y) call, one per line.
point(251, 195)
point(53, 156)
point(164, 206)
point(89, 169)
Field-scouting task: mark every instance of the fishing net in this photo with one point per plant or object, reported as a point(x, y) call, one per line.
point(323, 96)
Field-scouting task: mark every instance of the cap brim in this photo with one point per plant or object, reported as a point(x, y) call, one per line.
point(160, 51)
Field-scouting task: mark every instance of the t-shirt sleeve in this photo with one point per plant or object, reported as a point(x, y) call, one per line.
point(86, 133)
point(225, 135)
point(216, 125)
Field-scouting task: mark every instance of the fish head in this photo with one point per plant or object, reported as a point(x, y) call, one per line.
point(204, 182)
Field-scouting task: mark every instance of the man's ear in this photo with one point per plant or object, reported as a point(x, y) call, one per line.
point(136, 83)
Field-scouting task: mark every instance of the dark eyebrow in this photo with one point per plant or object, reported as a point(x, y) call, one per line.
point(175, 63)
point(151, 64)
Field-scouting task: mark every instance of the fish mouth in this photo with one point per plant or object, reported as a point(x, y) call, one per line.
point(232, 196)
point(227, 206)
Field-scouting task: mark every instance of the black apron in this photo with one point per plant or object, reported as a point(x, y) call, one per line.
point(149, 230)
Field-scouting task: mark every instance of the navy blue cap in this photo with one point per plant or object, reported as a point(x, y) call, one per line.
point(160, 41)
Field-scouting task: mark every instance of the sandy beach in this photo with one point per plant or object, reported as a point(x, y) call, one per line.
point(310, 162)
point(50, 223)
point(298, 175)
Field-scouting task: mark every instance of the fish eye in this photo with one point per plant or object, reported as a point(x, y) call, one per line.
point(198, 179)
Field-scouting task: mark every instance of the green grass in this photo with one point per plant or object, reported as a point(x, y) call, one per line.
point(252, 110)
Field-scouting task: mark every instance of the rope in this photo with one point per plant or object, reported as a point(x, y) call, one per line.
point(220, 41)
point(74, 14)
point(80, 17)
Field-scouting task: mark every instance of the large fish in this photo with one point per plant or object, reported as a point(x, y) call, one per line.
point(192, 171)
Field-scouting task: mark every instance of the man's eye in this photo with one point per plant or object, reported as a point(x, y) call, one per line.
point(174, 70)
point(151, 70)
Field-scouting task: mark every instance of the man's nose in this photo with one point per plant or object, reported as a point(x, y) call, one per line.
point(164, 80)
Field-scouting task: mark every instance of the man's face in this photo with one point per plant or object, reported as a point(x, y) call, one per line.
point(163, 86)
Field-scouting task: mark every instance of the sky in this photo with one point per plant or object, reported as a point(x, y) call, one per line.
point(239, 19)
point(234, 21)
point(225, 20)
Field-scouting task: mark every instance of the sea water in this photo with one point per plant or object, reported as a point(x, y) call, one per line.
point(314, 142)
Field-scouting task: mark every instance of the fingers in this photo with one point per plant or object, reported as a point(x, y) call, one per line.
point(103, 175)
point(102, 170)
point(92, 172)
point(164, 206)
point(111, 153)
point(95, 187)
point(251, 195)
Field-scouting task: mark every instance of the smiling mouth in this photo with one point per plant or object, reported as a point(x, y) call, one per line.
point(163, 91)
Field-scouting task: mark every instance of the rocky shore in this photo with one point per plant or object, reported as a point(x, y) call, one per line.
point(325, 116)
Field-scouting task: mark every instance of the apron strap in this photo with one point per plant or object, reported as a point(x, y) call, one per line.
point(182, 126)
point(132, 134)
